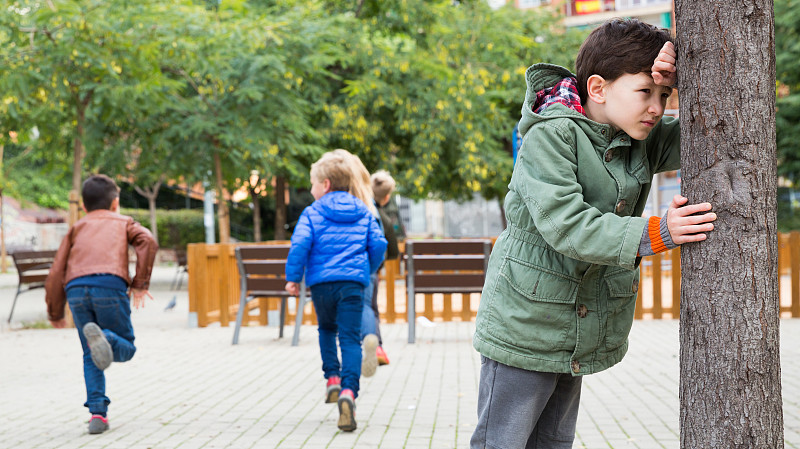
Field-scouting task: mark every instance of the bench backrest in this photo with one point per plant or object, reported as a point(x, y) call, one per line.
point(33, 266)
point(447, 266)
point(262, 270)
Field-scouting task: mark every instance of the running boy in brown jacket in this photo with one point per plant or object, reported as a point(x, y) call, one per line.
point(90, 271)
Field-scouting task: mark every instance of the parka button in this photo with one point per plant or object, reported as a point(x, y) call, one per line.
point(623, 140)
point(576, 366)
point(603, 132)
point(609, 155)
point(582, 311)
point(635, 288)
point(621, 205)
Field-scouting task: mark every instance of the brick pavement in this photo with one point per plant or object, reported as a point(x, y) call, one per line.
point(190, 388)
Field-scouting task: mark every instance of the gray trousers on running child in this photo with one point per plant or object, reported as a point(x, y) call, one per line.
point(520, 409)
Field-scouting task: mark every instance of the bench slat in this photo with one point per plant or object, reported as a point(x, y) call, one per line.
point(447, 247)
point(264, 252)
point(23, 255)
point(262, 267)
point(448, 283)
point(33, 266)
point(449, 262)
point(32, 278)
point(267, 284)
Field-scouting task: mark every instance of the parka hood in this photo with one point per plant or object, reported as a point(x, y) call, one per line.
point(340, 207)
point(543, 76)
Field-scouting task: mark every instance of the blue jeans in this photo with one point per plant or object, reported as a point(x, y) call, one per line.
point(369, 313)
point(338, 306)
point(525, 409)
point(111, 310)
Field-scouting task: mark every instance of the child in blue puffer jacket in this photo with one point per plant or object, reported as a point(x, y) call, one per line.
point(338, 244)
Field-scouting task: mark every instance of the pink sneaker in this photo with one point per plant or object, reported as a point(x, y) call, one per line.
point(97, 424)
point(383, 359)
point(332, 389)
point(347, 410)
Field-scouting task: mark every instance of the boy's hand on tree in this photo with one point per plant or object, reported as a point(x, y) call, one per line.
point(293, 288)
point(687, 222)
point(664, 71)
point(138, 296)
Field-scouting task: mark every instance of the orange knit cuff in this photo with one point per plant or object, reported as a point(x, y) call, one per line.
point(654, 232)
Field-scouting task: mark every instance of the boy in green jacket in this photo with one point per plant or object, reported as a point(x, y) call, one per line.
point(561, 284)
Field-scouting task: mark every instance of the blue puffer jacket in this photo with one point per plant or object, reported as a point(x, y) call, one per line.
point(336, 239)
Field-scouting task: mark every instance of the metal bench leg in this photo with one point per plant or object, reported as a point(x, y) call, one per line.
point(412, 316)
point(301, 305)
point(239, 317)
point(411, 304)
point(284, 300)
point(180, 279)
point(13, 304)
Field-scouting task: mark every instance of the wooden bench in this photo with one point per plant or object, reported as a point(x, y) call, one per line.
point(443, 266)
point(32, 269)
point(262, 274)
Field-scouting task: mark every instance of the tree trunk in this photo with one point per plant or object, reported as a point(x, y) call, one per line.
point(256, 216)
point(730, 390)
point(151, 193)
point(280, 208)
point(77, 167)
point(222, 204)
point(77, 161)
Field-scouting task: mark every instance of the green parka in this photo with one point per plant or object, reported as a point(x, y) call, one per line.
point(561, 285)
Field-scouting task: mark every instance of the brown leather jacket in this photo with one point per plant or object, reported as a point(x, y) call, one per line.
point(98, 243)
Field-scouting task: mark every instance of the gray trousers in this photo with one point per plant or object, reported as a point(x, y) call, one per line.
point(521, 409)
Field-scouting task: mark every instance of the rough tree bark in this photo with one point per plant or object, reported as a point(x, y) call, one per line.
point(730, 390)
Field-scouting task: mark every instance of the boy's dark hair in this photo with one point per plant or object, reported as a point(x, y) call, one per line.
point(617, 47)
point(98, 192)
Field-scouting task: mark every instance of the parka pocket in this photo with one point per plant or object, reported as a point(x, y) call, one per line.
point(536, 308)
point(539, 284)
point(622, 288)
point(622, 283)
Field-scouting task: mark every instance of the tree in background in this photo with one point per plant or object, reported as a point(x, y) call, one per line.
point(208, 91)
point(730, 387)
point(787, 52)
point(435, 90)
point(70, 66)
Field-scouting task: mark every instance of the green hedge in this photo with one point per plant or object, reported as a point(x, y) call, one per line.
point(176, 228)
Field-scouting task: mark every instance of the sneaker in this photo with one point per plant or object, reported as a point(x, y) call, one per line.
point(383, 359)
point(370, 362)
point(102, 355)
point(332, 389)
point(97, 424)
point(347, 411)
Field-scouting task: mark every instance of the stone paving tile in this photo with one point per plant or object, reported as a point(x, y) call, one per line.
point(190, 388)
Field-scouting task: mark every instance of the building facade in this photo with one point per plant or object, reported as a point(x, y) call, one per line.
point(587, 13)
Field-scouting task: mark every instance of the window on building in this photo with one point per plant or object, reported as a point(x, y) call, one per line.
point(628, 4)
point(522, 4)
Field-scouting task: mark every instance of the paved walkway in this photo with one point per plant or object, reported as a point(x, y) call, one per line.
point(190, 388)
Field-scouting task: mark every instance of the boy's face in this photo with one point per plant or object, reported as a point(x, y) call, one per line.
point(635, 104)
